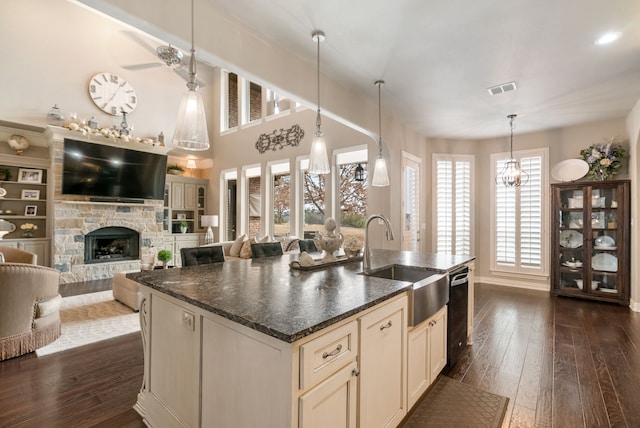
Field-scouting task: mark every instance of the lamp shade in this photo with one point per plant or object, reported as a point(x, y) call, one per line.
point(380, 176)
point(191, 164)
point(318, 159)
point(191, 125)
point(209, 220)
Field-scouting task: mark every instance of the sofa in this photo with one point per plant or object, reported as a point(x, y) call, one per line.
point(29, 308)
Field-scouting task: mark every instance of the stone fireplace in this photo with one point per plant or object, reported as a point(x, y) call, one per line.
point(82, 227)
point(110, 244)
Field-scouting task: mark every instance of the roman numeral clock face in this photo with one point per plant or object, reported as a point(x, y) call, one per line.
point(112, 94)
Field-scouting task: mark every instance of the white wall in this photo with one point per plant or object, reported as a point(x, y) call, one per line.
point(633, 130)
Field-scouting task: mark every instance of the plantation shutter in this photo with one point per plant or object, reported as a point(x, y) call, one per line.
point(453, 206)
point(519, 217)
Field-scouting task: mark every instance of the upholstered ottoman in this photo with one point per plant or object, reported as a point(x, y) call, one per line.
point(126, 290)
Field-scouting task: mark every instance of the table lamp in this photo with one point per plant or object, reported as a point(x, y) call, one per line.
point(209, 221)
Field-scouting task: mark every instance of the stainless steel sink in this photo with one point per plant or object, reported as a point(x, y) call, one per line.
point(429, 293)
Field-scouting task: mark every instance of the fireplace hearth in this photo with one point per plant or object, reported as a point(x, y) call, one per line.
point(111, 244)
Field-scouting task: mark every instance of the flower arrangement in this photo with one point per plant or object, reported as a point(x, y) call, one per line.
point(604, 159)
point(28, 229)
point(28, 226)
point(352, 246)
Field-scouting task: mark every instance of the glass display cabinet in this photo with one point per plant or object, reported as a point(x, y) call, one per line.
point(590, 240)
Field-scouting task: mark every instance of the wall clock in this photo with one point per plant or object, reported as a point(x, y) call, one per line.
point(112, 94)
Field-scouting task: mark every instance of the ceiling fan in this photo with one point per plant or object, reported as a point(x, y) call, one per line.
point(168, 55)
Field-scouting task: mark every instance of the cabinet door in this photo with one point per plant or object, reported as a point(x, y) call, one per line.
point(437, 344)
point(174, 366)
point(177, 196)
point(332, 403)
point(184, 242)
point(418, 372)
point(190, 196)
point(382, 365)
point(426, 354)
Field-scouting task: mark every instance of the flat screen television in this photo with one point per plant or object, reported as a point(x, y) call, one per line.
point(112, 173)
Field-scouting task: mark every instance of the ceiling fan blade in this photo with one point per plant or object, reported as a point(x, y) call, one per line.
point(142, 66)
point(142, 42)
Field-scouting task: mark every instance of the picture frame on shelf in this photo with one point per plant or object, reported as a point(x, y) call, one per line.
point(30, 194)
point(31, 210)
point(181, 216)
point(26, 175)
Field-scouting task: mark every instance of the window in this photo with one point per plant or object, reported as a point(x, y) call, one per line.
point(252, 209)
point(228, 182)
point(280, 199)
point(519, 216)
point(351, 194)
point(313, 197)
point(276, 103)
point(229, 101)
point(452, 204)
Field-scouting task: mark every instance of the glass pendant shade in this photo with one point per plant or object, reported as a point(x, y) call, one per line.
point(380, 175)
point(191, 127)
point(318, 159)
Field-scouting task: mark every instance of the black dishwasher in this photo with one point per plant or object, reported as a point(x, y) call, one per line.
point(457, 314)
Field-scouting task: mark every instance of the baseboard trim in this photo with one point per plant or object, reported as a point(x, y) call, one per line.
point(514, 283)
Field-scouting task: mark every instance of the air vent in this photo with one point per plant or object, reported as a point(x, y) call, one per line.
point(505, 87)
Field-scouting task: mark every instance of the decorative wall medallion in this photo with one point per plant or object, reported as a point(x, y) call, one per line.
point(280, 138)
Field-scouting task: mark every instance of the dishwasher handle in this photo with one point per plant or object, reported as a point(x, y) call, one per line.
point(459, 279)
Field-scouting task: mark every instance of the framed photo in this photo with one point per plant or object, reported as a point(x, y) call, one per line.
point(181, 216)
point(30, 210)
point(30, 194)
point(29, 175)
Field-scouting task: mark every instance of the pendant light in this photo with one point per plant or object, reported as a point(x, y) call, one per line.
point(380, 176)
point(191, 126)
point(512, 175)
point(318, 159)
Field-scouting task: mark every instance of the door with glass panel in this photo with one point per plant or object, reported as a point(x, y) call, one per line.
point(410, 202)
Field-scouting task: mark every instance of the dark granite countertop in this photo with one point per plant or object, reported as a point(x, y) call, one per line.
point(267, 296)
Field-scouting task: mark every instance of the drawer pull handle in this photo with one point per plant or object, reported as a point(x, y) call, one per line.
point(332, 353)
point(387, 325)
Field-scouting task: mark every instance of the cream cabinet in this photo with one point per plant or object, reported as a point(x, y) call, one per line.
point(426, 354)
point(203, 370)
point(185, 200)
point(383, 369)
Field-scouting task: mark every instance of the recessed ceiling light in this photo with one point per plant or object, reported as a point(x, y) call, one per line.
point(607, 38)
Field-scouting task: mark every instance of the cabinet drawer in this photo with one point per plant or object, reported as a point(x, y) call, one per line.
point(327, 354)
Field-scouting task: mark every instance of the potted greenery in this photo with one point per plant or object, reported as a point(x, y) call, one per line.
point(5, 174)
point(165, 256)
point(184, 226)
point(175, 169)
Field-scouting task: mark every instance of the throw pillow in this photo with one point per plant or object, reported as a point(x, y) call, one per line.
point(237, 246)
point(265, 238)
point(245, 252)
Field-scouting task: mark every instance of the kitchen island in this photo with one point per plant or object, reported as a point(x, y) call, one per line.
point(255, 343)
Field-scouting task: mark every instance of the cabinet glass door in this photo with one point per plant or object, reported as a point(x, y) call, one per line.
point(604, 239)
point(571, 240)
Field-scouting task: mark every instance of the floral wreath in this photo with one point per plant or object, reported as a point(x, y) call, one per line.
point(604, 159)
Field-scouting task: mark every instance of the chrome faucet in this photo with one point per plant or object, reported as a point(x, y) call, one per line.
point(366, 261)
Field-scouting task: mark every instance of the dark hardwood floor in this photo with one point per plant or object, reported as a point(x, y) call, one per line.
point(562, 363)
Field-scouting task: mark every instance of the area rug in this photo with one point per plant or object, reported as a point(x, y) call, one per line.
point(451, 404)
point(89, 318)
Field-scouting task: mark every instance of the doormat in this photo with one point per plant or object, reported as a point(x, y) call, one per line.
point(450, 404)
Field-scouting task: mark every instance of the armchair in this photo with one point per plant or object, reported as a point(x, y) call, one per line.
point(29, 308)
